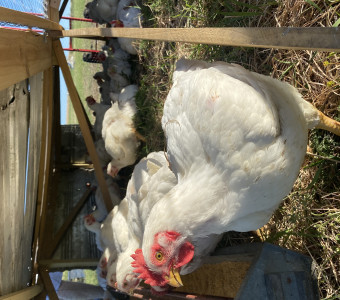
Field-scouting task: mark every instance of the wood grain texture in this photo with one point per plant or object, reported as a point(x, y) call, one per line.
point(35, 125)
point(31, 54)
point(83, 123)
point(18, 17)
point(44, 164)
point(313, 38)
point(24, 294)
point(13, 153)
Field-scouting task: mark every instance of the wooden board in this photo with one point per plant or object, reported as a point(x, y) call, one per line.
point(22, 55)
point(24, 294)
point(313, 38)
point(35, 120)
point(44, 163)
point(70, 263)
point(18, 17)
point(13, 154)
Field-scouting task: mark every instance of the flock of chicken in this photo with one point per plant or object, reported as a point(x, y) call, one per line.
point(235, 143)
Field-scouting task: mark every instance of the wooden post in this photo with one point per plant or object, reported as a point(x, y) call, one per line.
point(80, 112)
point(24, 294)
point(311, 38)
point(48, 283)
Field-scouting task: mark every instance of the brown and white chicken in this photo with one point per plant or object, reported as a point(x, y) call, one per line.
point(118, 131)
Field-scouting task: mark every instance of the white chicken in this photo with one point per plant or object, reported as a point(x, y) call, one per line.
point(120, 230)
point(112, 238)
point(151, 179)
point(118, 131)
point(128, 15)
point(236, 141)
point(101, 212)
point(103, 156)
point(101, 11)
point(99, 111)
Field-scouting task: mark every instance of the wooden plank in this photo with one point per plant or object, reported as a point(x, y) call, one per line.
point(57, 238)
point(13, 136)
point(83, 122)
point(219, 279)
point(43, 167)
point(24, 294)
point(35, 126)
point(53, 10)
point(48, 284)
point(31, 55)
point(48, 189)
point(18, 17)
point(312, 38)
point(69, 264)
point(55, 3)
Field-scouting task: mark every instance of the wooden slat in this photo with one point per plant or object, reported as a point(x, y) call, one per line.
point(44, 166)
point(69, 264)
point(24, 294)
point(313, 38)
point(30, 55)
point(83, 122)
point(35, 125)
point(53, 10)
point(13, 154)
point(18, 17)
point(48, 284)
point(57, 238)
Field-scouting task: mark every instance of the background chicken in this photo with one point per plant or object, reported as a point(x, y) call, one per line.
point(101, 212)
point(99, 110)
point(236, 141)
point(128, 15)
point(118, 131)
point(101, 11)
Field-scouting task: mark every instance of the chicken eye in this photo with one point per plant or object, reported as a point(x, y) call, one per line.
point(159, 256)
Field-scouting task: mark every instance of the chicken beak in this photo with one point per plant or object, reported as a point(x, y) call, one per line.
point(174, 278)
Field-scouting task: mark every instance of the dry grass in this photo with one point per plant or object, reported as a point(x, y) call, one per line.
point(308, 221)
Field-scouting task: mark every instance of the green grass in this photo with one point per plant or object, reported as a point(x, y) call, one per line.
point(90, 277)
point(82, 72)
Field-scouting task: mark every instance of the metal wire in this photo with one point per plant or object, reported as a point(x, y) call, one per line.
point(28, 6)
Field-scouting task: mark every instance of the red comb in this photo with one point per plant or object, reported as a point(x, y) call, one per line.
point(141, 268)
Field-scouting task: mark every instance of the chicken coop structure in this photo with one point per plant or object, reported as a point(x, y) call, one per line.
point(30, 137)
